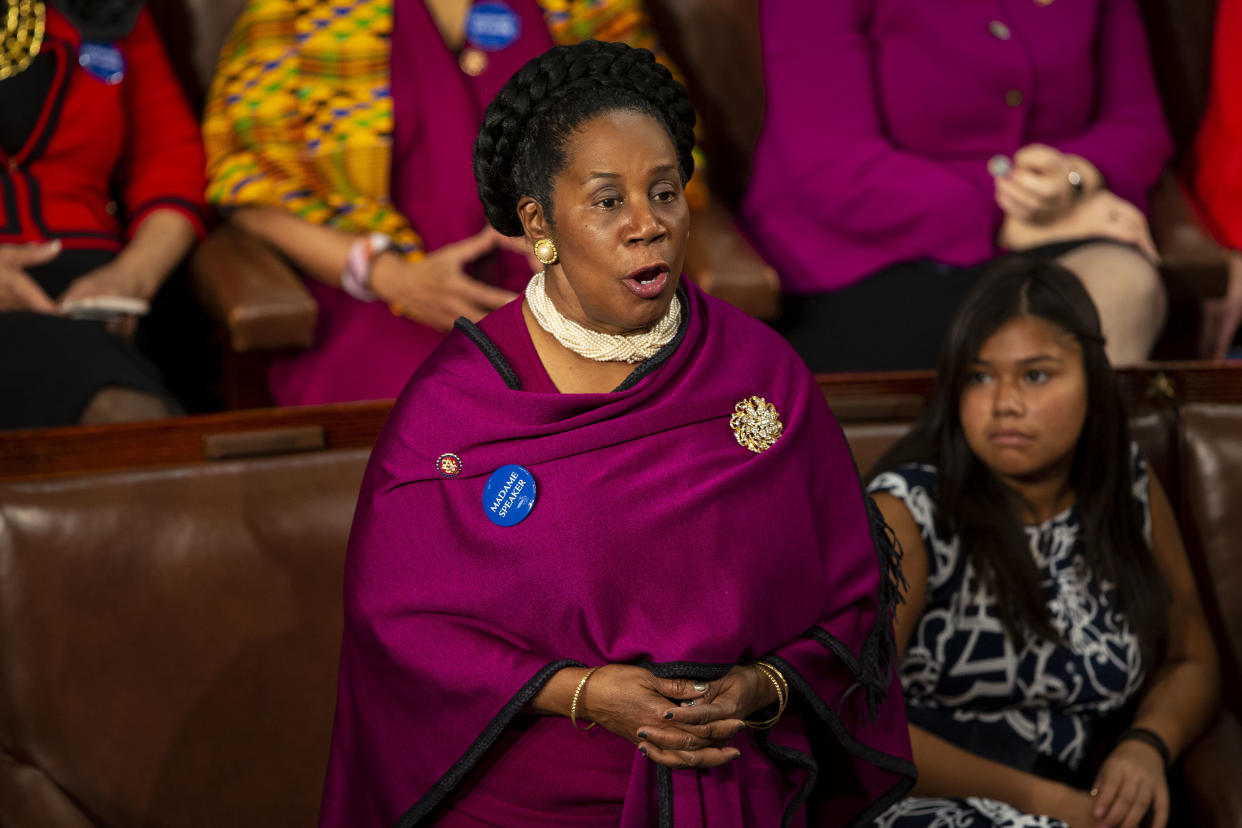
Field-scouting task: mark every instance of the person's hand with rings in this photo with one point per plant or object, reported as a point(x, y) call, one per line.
point(632, 703)
point(1044, 184)
point(689, 734)
point(436, 289)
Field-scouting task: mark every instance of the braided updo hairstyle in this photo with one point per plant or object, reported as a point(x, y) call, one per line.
point(521, 145)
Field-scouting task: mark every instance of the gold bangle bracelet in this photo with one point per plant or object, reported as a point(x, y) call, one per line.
point(782, 686)
point(573, 704)
point(782, 695)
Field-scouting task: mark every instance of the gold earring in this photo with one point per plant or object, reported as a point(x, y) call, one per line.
point(545, 251)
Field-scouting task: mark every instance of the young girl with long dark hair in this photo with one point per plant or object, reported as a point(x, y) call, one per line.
point(1055, 658)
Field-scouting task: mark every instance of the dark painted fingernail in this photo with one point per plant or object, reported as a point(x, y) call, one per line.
point(643, 751)
point(737, 755)
point(642, 734)
point(740, 727)
point(668, 715)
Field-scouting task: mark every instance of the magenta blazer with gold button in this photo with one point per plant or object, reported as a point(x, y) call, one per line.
point(882, 115)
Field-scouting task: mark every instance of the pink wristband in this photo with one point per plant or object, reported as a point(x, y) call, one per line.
point(356, 278)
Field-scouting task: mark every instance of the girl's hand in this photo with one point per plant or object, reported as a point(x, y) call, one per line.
point(1070, 805)
point(1132, 782)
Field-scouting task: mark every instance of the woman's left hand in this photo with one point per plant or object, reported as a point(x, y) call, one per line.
point(727, 702)
point(1131, 783)
point(1038, 188)
point(108, 280)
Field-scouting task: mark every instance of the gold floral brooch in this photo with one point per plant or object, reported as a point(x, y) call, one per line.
point(756, 424)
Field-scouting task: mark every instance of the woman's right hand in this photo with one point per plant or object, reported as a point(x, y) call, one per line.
point(436, 289)
point(18, 292)
point(1101, 214)
point(628, 700)
point(1070, 805)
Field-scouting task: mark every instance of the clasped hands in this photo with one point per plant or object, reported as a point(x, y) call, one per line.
point(670, 721)
point(1041, 206)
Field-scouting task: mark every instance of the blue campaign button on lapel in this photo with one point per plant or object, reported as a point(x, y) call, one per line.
point(492, 26)
point(103, 60)
point(509, 495)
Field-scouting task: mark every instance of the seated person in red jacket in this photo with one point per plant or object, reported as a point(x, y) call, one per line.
point(101, 183)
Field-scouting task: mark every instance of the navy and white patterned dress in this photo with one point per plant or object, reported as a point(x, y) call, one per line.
point(1037, 707)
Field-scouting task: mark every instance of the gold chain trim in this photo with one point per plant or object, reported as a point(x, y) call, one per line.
point(22, 37)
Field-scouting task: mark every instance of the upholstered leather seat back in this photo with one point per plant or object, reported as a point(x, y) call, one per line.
point(169, 642)
point(1211, 465)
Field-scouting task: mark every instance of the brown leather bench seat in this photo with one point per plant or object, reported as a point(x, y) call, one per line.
point(169, 627)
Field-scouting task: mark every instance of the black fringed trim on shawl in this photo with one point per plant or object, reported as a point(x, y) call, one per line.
point(686, 669)
point(825, 714)
point(877, 656)
point(489, 349)
point(453, 777)
point(872, 668)
point(664, 795)
point(879, 651)
point(797, 758)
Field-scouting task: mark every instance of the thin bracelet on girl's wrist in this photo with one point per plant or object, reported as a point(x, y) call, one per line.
point(1150, 738)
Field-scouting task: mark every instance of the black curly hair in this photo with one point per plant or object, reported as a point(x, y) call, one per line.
point(521, 145)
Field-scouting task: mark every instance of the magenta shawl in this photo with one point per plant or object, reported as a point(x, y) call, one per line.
point(656, 539)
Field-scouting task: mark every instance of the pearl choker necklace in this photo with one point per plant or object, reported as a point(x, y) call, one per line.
point(600, 347)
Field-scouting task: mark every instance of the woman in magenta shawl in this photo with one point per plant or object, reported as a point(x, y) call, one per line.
point(612, 564)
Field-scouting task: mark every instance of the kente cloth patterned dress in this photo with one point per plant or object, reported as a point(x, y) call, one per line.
point(1048, 708)
point(314, 111)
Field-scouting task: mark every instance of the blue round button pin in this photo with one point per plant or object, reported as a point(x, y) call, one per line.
point(509, 495)
point(103, 60)
point(492, 26)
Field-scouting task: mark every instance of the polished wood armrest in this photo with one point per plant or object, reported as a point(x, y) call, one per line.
point(723, 263)
point(1192, 258)
point(252, 292)
point(1212, 768)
